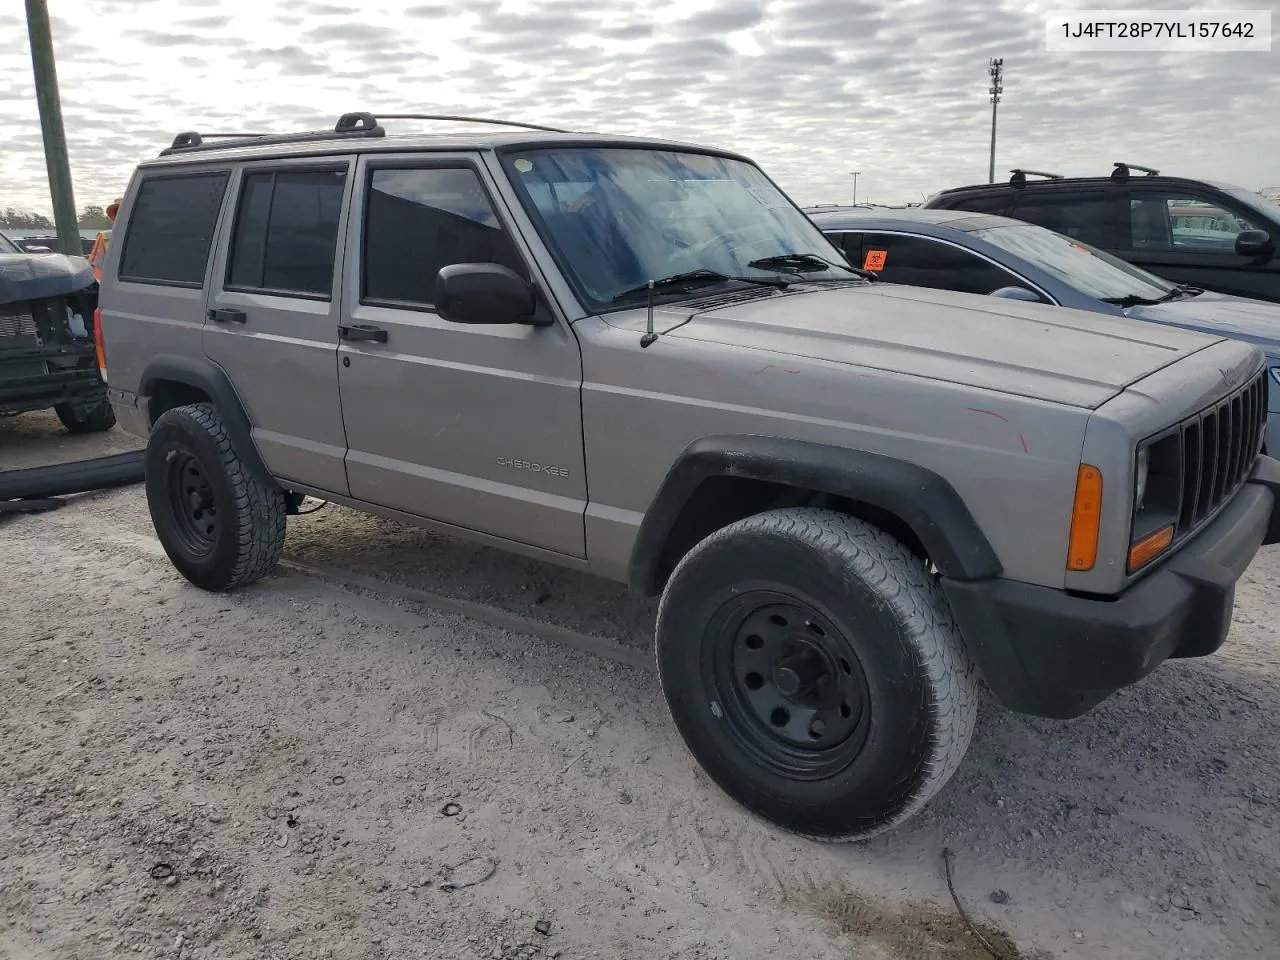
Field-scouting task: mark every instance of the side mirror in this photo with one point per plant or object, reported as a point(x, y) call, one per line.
point(1016, 293)
point(484, 293)
point(1254, 243)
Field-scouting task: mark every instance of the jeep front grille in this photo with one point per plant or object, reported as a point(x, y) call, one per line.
point(1219, 446)
point(17, 328)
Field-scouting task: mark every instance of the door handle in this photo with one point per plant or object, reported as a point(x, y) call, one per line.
point(227, 315)
point(362, 331)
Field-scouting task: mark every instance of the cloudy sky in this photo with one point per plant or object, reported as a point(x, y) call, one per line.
point(812, 89)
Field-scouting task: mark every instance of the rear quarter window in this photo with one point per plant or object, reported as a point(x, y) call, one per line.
point(170, 230)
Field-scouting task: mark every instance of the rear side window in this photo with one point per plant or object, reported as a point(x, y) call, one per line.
point(922, 262)
point(996, 203)
point(287, 232)
point(419, 220)
point(1080, 216)
point(171, 229)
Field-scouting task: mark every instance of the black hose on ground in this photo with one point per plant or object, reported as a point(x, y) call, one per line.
point(60, 479)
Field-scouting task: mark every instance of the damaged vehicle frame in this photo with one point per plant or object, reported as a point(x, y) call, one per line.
point(48, 345)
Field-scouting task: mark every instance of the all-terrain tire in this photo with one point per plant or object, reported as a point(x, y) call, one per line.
point(221, 527)
point(842, 589)
point(97, 418)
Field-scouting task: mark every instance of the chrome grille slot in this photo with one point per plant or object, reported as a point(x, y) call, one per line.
point(1219, 446)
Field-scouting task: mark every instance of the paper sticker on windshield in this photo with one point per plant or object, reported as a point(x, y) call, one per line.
point(523, 165)
point(768, 197)
point(875, 260)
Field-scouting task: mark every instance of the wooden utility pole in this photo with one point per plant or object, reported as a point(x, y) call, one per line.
point(55, 140)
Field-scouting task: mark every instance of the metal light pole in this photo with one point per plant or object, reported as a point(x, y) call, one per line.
point(996, 70)
point(855, 186)
point(55, 140)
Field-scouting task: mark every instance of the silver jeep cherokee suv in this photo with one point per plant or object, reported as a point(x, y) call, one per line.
point(639, 358)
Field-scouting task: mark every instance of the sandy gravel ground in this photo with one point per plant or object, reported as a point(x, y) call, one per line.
point(288, 751)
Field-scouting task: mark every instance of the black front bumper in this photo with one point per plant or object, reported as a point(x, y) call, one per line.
point(1053, 654)
point(66, 377)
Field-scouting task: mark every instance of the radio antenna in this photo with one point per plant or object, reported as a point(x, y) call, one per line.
point(649, 335)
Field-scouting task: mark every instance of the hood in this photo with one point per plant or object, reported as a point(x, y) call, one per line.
point(31, 276)
point(1219, 314)
point(1053, 353)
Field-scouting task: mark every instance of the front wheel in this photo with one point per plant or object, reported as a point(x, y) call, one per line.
point(220, 526)
point(814, 670)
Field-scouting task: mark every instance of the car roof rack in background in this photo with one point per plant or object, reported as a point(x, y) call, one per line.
point(1020, 175)
point(453, 118)
point(1121, 171)
point(349, 125)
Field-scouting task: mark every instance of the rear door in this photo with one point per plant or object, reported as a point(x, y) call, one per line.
point(1188, 235)
point(473, 425)
point(272, 322)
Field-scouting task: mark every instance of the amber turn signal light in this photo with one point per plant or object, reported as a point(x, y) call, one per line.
point(1086, 517)
point(1150, 547)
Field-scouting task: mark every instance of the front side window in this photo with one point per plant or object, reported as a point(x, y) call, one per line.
point(1168, 222)
point(170, 230)
point(418, 220)
point(618, 218)
point(1085, 269)
point(923, 262)
point(286, 232)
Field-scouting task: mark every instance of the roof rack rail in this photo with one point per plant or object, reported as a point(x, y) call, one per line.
point(1020, 175)
point(1121, 172)
point(349, 125)
point(452, 117)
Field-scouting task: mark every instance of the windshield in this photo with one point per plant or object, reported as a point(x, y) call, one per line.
point(1256, 201)
point(620, 217)
point(1085, 269)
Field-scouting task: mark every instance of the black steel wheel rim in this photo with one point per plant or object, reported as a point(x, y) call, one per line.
point(788, 684)
point(192, 510)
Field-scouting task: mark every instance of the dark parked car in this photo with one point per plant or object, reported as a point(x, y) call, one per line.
point(1213, 235)
point(48, 351)
point(986, 254)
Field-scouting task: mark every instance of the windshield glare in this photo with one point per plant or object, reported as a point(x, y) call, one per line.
point(1085, 269)
point(621, 217)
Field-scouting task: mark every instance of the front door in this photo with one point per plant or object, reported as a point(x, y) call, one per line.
point(472, 425)
point(272, 322)
point(1189, 236)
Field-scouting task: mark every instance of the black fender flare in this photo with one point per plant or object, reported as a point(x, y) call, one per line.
point(210, 379)
point(922, 499)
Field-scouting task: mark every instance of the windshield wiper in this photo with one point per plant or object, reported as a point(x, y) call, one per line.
point(806, 262)
point(1177, 293)
point(1131, 300)
point(695, 278)
point(1180, 291)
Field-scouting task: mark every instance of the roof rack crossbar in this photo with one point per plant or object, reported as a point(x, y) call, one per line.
point(1121, 171)
point(1020, 175)
point(348, 126)
point(460, 119)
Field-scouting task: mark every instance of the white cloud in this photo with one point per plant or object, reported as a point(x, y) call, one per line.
point(810, 88)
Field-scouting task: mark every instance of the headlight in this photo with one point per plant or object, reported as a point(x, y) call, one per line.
point(1141, 472)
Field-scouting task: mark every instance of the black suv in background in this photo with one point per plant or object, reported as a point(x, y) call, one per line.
point(1198, 232)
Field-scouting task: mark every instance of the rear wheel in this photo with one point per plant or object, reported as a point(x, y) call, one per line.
point(220, 526)
point(813, 668)
point(92, 417)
